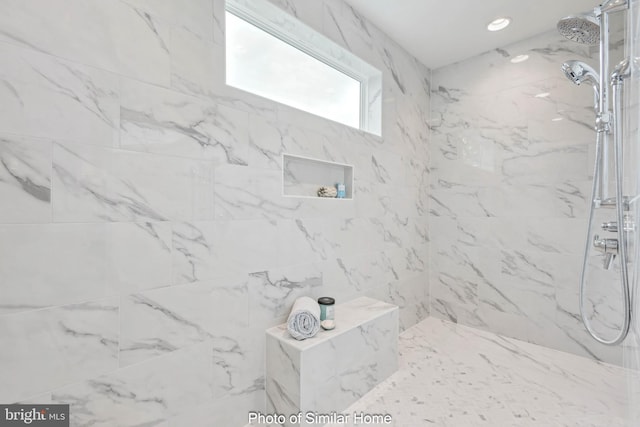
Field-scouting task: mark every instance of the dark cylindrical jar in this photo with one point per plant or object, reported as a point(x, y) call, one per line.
point(327, 312)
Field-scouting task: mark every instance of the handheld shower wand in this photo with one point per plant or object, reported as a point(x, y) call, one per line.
point(579, 72)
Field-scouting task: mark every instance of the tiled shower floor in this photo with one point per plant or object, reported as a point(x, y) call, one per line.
point(456, 376)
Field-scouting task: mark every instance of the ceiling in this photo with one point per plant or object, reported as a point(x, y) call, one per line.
point(441, 32)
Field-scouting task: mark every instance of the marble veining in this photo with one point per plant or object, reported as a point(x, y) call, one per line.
point(163, 121)
point(85, 99)
point(336, 367)
point(273, 292)
point(25, 178)
point(453, 375)
point(74, 342)
point(512, 152)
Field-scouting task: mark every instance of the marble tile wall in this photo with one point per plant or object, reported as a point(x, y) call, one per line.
point(631, 355)
point(144, 243)
point(338, 367)
point(511, 167)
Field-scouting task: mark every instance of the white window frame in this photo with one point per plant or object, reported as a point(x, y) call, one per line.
point(290, 30)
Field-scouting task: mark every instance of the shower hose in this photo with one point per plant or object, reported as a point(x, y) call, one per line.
point(622, 233)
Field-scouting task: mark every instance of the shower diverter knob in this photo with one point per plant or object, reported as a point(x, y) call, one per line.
point(606, 246)
point(609, 247)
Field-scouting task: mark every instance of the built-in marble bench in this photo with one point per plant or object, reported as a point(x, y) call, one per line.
point(335, 368)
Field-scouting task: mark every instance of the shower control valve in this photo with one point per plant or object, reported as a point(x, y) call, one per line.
point(609, 247)
point(612, 226)
point(606, 246)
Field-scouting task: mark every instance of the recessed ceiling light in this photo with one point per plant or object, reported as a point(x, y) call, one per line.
point(543, 95)
point(557, 119)
point(519, 58)
point(499, 24)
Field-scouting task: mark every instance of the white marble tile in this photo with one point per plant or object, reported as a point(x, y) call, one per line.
point(269, 139)
point(528, 282)
point(110, 35)
point(43, 265)
point(247, 193)
point(37, 400)
point(245, 246)
point(273, 292)
point(546, 54)
point(456, 199)
point(410, 295)
point(563, 236)
point(48, 97)
point(229, 411)
point(138, 256)
point(283, 385)
point(25, 179)
point(566, 199)
point(195, 17)
point(356, 273)
point(547, 164)
point(219, 27)
point(348, 366)
point(417, 169)
point(144, 394)
point(458, 273)
point(382, 200)
point(238, 362)
point(456, 376)
point(370, 201)
point(366, 356)
point(567, 333)
point(524, 182)
point(159, 120)
point(206, 250)
point(267, 143)
point(195, 66)
point(406, 263)
point(73, 342)
point(506, 323)
point(300, 241)
point(142, 84)
point(164, 320)
point(192, 255)
point(100, 184)
point(380, 167)
point(441, 308)
point(309, 13)
point(328, 372)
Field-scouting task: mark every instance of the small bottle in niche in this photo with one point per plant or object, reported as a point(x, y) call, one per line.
point(342, 193)
point(327, 313)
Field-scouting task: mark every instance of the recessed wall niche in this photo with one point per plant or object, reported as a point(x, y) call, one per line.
point(303, 176)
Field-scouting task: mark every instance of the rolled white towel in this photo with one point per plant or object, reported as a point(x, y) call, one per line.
point(304, 319)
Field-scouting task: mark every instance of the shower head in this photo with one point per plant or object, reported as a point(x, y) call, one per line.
point(579, 72)
point(583, 29)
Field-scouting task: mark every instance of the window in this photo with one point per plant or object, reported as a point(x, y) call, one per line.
point(271, 54)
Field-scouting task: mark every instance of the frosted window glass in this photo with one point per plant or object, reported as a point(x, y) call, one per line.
point(261, 63)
